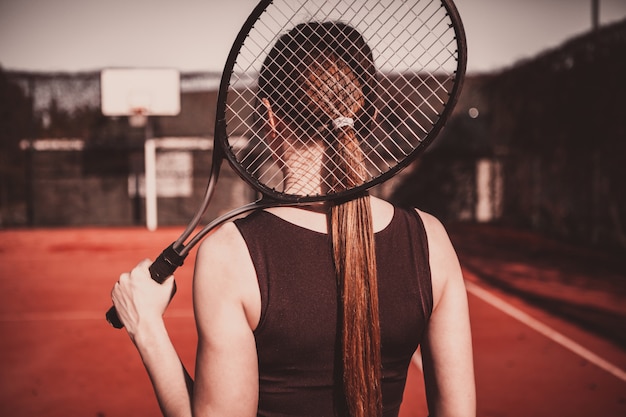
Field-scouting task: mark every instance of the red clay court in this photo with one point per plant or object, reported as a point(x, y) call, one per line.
point(60, 358)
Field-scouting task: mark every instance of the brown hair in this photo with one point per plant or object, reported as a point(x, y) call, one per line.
point(314, 75)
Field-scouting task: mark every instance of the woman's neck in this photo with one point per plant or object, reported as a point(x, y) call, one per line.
point(303, 169)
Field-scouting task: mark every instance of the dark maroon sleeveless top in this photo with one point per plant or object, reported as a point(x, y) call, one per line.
point(297, 336)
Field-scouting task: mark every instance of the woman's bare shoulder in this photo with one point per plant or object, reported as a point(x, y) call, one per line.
point(444, 263)
point(223, 256)
point(224, 272)
point(434, 227)
point(224, 239)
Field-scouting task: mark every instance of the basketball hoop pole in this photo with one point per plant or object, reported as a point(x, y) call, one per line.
point(150, 176)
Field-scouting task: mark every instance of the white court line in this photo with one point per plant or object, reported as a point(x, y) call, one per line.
point(550, 333)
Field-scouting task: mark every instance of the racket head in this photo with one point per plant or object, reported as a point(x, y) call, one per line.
point(419, 54)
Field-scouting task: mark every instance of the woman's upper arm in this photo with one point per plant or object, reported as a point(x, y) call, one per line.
point(226, 304)
point(447, 347)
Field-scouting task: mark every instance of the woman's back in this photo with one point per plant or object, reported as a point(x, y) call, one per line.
point(297, 335)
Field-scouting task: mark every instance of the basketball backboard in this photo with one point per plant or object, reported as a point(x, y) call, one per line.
point(145, 91)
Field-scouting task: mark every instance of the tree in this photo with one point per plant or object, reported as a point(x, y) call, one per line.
point(16, 124)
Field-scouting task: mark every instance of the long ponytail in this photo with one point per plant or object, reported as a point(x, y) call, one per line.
point(355, 266)
point(337, 93)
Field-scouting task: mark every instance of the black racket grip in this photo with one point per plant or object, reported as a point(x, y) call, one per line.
point(168, 261)
point(163, 266)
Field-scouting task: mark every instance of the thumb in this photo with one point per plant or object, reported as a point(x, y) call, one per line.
point(170, 282)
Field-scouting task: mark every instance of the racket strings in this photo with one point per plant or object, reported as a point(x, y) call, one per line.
point(334, 96)
point(416, 55)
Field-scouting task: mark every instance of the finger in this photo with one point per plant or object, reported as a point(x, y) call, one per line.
point(123, 278)
point(114, 290)
point(171, 283)
point(140, 269)
point(116, 293)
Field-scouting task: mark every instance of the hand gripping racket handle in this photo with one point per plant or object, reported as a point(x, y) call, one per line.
point(163, 266)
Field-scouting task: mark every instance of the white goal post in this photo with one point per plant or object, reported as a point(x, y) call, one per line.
point(150, 162)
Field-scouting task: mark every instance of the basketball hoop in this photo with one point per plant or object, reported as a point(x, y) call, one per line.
point(139, 93)
point(139, 117)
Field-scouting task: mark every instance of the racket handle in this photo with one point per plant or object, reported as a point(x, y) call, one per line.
point(164, 265)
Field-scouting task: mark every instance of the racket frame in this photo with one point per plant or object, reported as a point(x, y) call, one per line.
point(221, 136)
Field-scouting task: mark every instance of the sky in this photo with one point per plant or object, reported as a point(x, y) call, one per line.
point(195, 35)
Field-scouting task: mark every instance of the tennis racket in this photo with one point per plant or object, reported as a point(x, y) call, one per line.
point(418, 51)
